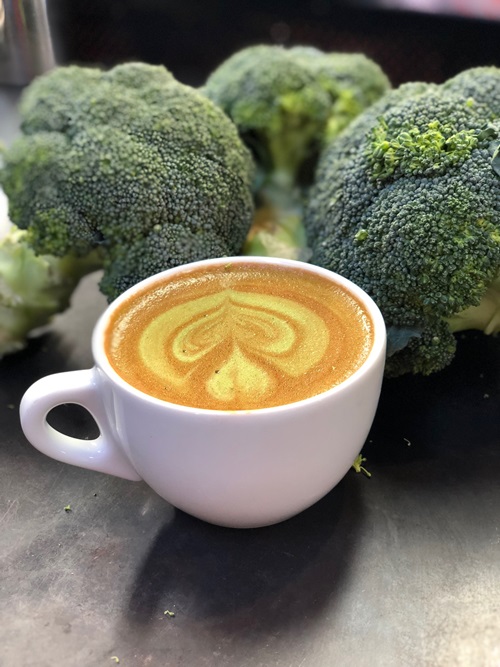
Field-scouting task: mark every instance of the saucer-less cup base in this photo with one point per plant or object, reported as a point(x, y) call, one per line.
point(241, 469)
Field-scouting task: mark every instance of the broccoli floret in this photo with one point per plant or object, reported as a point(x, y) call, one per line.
point(406, 203)
point(131, 163)
point(286, 104)
point(33, 287)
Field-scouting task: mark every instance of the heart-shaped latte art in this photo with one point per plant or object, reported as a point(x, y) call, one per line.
point(238, 344)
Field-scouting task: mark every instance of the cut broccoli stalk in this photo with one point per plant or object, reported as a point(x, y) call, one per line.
point(484, 317)
point(278, 229)
point(33, 288)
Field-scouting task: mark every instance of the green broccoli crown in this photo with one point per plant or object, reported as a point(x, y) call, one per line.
point(129, 161)
point(407, 205)
point(479, 85)
point(286, 102)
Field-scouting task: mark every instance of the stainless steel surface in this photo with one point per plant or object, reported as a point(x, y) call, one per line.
point(9, 120)
point(26, 44)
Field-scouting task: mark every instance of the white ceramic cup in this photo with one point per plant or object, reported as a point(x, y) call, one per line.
point(240, 469)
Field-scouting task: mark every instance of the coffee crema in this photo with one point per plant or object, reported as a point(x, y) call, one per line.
point(238, 336)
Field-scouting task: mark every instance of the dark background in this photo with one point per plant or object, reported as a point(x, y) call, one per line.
point(191, 37)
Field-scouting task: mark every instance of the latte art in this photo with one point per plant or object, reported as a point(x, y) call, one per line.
point(239, 337)
point(248, 343)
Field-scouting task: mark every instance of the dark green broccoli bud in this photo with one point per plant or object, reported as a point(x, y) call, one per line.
point(406, 203)
point(286, 104)
point(120, 161)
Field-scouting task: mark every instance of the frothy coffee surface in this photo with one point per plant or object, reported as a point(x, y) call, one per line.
point(238, 336)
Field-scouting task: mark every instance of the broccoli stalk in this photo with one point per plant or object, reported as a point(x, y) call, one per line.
point(33, 288)
point(277, 229)
point(286, 104)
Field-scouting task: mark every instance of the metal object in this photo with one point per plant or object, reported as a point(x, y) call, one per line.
point(26, 44)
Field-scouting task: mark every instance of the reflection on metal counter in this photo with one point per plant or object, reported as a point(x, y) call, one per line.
point(26, 43)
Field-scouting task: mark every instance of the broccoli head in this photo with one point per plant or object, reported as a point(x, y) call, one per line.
point(132, 163)
point(406, 203)
point(286, 102)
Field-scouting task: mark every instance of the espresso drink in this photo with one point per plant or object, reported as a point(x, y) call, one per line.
point(238, 336)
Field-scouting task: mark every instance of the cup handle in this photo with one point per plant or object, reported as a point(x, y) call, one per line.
point(103, 453)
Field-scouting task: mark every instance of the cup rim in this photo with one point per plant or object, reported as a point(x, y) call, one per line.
point(378, 347)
